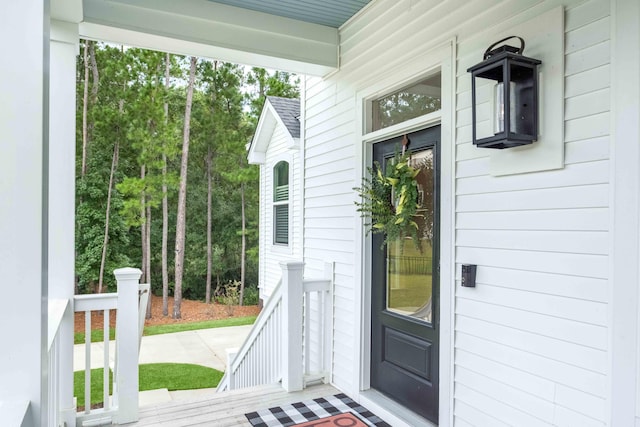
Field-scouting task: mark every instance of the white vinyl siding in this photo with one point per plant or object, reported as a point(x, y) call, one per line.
point(531, 339)
point(329, 211)
point(272, 254)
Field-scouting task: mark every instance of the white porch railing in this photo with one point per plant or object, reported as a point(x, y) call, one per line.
point(291, 339)
point(59, 310)
point(130, 302)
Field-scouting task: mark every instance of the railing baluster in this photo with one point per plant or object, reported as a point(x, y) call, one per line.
point(306, 329)
point(54, 403)
point(105, 377)
point(126, 302)
point(87, 362)
point(292, 336)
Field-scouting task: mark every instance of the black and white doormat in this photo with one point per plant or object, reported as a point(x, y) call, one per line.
point(316, 409)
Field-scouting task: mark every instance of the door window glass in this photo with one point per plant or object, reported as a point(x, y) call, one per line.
point(409, 270)
point(408, 103)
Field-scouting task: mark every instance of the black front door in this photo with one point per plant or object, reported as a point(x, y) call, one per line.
point(404, 295)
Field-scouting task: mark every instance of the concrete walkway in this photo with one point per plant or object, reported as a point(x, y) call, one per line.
point(206, 347)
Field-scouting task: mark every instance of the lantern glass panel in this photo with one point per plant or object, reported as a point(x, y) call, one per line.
point(505, 104)
point(485, 107)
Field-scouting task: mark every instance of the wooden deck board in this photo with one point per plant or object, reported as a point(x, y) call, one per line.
point(225, 409)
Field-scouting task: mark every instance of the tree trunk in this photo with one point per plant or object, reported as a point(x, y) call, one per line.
point(85, 109)
point(143, 228)
point(217, 285)
point(114, 165)
point(94, 70)
point(165, 204)
point(243, 260)
point(207, 298)
point(148, 258)
point(182, 194)
point(209, 196)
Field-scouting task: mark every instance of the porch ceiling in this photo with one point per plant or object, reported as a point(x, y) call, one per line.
point(293, 35)
point(332, 13)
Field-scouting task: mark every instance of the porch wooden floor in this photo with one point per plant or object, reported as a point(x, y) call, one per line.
point(225, 409)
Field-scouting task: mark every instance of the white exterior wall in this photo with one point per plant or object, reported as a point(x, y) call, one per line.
point(329, 212)
point(531, 341)
point(271, 255)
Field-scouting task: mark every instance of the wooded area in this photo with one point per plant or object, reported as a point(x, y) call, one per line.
point(161, 166)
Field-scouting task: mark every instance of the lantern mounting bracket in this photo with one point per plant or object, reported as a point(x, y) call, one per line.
point(505, 48)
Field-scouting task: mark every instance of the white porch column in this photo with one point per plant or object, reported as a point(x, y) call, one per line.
point(24, 135)
point(624, 295)
point(62, 138)
point(292, 373)
point(127, 345)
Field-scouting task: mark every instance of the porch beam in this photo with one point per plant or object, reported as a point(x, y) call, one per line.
point(208, 29)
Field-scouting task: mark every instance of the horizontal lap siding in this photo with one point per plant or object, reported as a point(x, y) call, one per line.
point(329, 212)
point(531, 338)
point(270, 255)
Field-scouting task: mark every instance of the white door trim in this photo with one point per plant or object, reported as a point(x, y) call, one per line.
point(441, 57)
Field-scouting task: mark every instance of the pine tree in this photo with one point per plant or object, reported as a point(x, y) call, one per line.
point(182, 195)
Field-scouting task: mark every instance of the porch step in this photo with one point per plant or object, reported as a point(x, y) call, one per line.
point(226, 408)
point(155, 397)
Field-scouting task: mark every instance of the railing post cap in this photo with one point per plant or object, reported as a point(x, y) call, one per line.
point(127, 273)
point(291, 265)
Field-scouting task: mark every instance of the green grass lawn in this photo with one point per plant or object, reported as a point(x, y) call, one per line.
point(97, 335)
point(409, 291)
point(152, 376)
point(207, 324)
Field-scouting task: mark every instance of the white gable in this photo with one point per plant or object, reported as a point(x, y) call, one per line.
point(269, 120)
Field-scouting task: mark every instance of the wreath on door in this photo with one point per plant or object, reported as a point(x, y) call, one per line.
point(388, 199)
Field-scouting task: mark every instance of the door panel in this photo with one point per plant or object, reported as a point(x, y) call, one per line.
point(404, 294)
point(407, 352)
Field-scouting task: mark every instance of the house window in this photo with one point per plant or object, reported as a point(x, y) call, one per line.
point(281, 203)
point(413, 101)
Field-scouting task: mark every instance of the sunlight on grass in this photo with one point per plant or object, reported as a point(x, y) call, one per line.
point(208, 324)
point(177, 376)
point(97, 335)
point(172, 376)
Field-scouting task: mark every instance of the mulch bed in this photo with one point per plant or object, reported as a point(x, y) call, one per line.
point(192, 311)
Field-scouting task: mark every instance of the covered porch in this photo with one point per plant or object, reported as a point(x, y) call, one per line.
point(38, 129)
point(548, 337)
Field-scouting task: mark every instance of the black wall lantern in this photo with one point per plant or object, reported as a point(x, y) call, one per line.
point(513, 97)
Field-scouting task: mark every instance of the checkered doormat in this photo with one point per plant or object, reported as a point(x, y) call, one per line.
point(309, 410)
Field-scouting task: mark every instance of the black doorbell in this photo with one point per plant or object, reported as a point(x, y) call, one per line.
point(469, 275)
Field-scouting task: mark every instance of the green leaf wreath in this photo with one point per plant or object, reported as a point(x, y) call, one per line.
point(389, 200)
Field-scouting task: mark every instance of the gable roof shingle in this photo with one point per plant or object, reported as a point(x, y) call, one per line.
point(289, 111)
